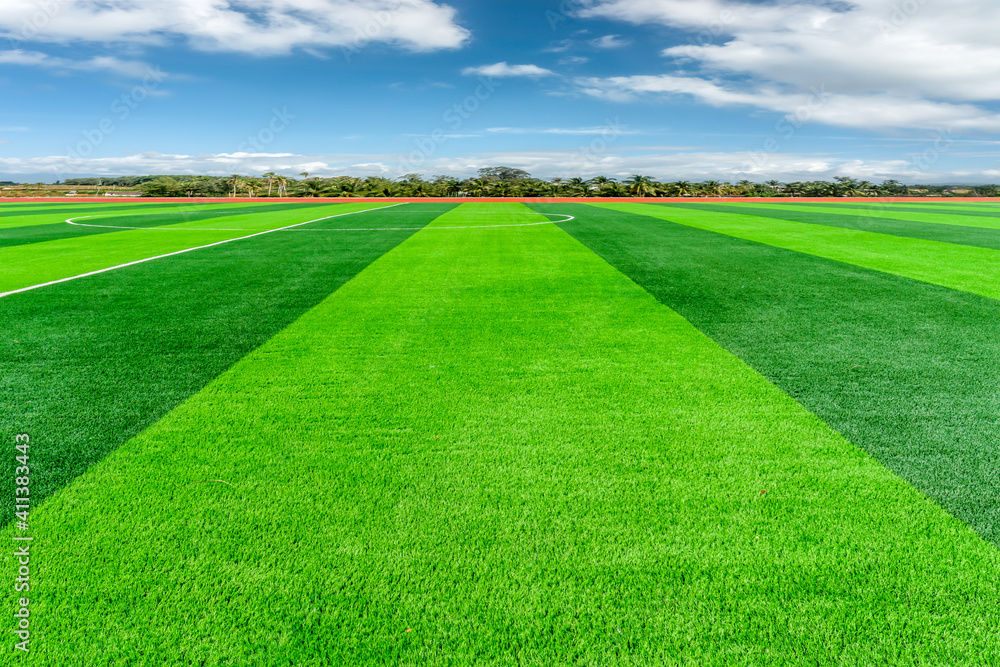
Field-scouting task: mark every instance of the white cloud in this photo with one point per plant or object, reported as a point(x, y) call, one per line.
point(885, 63)
point(504, 70)
point(574, 60)
point(561, 46)
point(609, 42)
point(664, 163)
point(872, 111)
point(128, 68)
point(260, 27)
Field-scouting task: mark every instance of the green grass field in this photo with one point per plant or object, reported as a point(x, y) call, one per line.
point(502, 434)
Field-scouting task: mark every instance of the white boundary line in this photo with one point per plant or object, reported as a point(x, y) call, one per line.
point(346, 229)
point(186, 250)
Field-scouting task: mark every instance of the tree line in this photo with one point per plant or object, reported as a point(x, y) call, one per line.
point(510, 182)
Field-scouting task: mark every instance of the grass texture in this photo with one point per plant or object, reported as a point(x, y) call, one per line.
point(38, 263)
point(88, 364)
point(966, 268)
point(60, 229)
point(907, 370)
point(491, 447)
point(953, 232)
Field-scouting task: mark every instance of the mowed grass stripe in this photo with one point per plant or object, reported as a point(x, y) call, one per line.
point(109, 220)
point(39, 263)
point(16, 215)
point(86, 365)
point(966, 268)
point(890, 212)
point(907, 370)
point(491, 447)
point(861, 221)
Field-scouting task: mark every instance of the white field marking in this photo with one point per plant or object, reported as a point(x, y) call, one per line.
point(186, 250)
point(346, 229)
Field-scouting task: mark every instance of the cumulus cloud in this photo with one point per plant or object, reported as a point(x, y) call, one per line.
point(261, 27)
point(500, 70)
point(883, 62)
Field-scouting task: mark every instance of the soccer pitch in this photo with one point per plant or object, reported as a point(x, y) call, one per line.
point(501, 433)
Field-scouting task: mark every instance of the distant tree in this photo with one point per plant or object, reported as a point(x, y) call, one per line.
point(162, 187)
point(509, 174)
point(235, 183)
point(270, 176)
point(640, 186)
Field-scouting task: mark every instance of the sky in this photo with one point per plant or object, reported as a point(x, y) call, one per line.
point(785, 90)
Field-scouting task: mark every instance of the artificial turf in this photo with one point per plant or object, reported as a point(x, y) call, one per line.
point(967, 268)
point(60, 229)
point(887, 212)
point(15, 215)
point(491, 447)
point(907, 370)
point(86, 365)
point(953, 232)
point(39, 263)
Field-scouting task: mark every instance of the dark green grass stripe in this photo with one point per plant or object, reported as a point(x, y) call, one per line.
point(61, 230)
point(88, 364)
point(971, 236)
point(907, 370)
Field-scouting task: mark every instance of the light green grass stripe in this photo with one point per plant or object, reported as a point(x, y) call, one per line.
point(886, 213)
point(970, 269)
point(490, 447)
point(37, 263)
point(36, 217)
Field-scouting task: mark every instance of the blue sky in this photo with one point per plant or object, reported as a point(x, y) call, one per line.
point(674, 89)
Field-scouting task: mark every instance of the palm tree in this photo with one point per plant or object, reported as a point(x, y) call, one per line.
point(235, 182)
point(282, 182)
point(479, 187)
point(614, 189)
point(641, 186)
point(713, 187)
point(253, 184)
point(270, 176)
point(576, 186)
point(598, 183)
point(448, 186)
point(312, 188)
